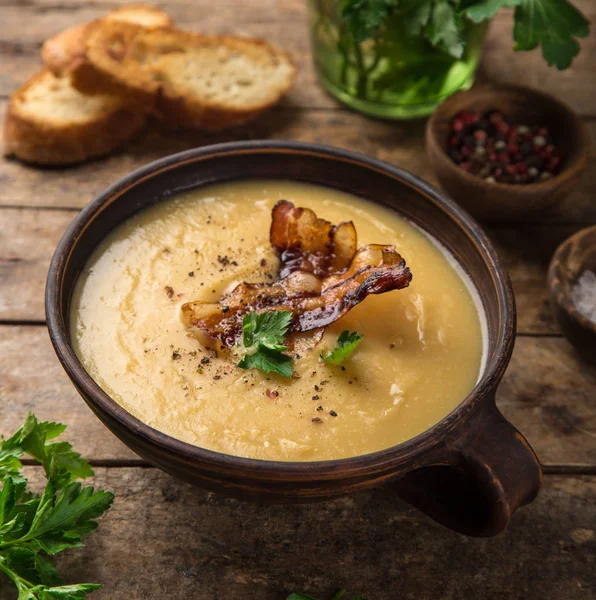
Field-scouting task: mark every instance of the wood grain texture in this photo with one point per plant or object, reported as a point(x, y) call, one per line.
point(165, 539)
point(28, 238)
point(547, 394)
point(401, 144)
point(27, 242)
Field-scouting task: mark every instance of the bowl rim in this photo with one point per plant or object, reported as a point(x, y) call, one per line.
point(101, 402)
point(559, 290)
point(568, 170)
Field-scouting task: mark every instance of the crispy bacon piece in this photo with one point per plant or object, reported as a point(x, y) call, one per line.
point(304, 242)
point(315, 302)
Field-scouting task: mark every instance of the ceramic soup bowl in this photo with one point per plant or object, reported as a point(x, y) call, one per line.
point(470, 471)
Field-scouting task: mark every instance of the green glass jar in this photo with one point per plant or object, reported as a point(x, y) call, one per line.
point(394, 76)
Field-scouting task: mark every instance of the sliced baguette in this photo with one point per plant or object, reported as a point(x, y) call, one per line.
point(195, 80)
point(66, 49)
point(49, 122)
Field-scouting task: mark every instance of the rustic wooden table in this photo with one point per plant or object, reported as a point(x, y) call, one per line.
point(164, 538)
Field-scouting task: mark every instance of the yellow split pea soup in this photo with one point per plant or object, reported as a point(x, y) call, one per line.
point(421, 354)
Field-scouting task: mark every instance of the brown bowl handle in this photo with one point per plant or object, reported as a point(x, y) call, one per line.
point(481, 478)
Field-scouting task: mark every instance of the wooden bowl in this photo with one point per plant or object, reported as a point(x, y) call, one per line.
point(574, 256)
point(499, 201)
point(470, 471)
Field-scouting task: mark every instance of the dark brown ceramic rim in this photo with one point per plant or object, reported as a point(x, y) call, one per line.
point(321, 470)
point(559, 290)
point(571, 168)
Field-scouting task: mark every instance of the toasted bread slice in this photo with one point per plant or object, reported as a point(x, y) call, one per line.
point(49, 122)
point(64, 50)
point(196, 80)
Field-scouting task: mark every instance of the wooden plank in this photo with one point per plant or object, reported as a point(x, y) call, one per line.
point(401, 144)
point(207, 547)
point(285, 23)
point(27, 241)
point(31, 379)
point(547, 393)
point(28, 238)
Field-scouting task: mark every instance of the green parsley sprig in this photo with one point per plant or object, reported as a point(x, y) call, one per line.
point(552, 24)
point(34, 527)
point(346, 344)
point(263, 342)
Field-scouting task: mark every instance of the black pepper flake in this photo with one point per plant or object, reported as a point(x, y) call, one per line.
point(175, 356)
point(216, 377)
point(225, 309)
point(317, 388)
point(169, 290)
point(205, 360)
point(343, 368)
point(391, 346)
point(196, 251)
point(315, 397)
point(316, 420)
point(191, 273)
point(333, 413)
point(320, 408)
point(324, 382)
point(263, 262)
point(233, 262)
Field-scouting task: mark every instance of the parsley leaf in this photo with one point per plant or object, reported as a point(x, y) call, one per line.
point(33, 526)
point(444, 29)
point(553, 24)
point(346, 344)
point(263, 336)
point(364, 18)
point(482, 10)
point(267, 328)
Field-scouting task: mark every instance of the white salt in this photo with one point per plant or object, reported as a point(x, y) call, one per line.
point(584, 295)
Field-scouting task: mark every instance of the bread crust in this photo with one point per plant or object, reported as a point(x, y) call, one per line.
point(66, 49)
point(132, 61)
point(44, 141)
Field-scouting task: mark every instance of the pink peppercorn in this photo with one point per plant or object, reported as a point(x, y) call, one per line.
point(457, 125)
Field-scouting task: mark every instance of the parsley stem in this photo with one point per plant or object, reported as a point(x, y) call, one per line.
point(14, 577)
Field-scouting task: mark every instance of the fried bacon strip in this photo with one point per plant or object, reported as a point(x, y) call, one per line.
point(304, 242)
point(322, 276)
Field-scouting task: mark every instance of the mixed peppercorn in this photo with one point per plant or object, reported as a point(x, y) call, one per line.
point(489, 145)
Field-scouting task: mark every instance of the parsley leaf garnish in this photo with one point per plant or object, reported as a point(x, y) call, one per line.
point(553, 24)
point(33, 527)
point(346, 344)
point(263, 337)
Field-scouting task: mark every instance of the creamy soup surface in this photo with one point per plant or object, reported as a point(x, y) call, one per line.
point(421, 354)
